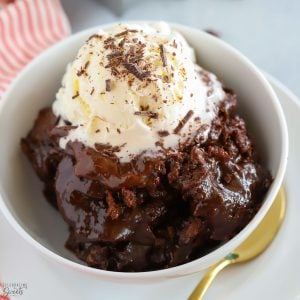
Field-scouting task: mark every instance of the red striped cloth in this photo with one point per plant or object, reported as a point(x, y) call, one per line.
point(3, 295)
point(27, 27)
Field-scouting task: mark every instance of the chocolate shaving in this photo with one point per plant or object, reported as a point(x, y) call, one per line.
point(159, 144)
point(125, 32)
point(121, 33)
point(92, 91)
point(114, 71)
point(209, 92)
point(145, 113)
point(114, 54)
point(136, 71)
point(142, 107)
point(166, 79)
point(183, 121)
point(122, 42)
point(66, 122)
point(107, 149)
point(108, 85)
point(83, 69)
point(80, 72)
point(119, 131)
point(163, 133)
point(163, 55)
point(61, 131)
point(76, 95)
point(131, 50)
point(94, 36)
point(206, 79)
point(86, 65)
point(109, 40)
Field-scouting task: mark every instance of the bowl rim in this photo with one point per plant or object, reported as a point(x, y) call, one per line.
point(207, 259)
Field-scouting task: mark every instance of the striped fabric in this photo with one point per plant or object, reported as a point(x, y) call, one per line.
point(2, 293)
point(27, 27)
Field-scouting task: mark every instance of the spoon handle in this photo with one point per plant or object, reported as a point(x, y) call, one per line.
point(206, 281)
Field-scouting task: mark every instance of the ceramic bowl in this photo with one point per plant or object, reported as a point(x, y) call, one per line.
point(22, 201)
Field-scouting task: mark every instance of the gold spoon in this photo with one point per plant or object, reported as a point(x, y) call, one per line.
point(254, 245)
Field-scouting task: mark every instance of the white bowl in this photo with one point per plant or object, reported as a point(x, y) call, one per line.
point(42, 226)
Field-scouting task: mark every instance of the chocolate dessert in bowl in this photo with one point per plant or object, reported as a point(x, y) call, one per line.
point(144, 155)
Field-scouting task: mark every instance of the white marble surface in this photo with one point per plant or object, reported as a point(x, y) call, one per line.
point(267, 31)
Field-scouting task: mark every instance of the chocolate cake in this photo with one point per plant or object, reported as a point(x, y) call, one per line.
point(150, 213)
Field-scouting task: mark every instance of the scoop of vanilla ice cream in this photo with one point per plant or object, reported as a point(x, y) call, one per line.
point(138, 87)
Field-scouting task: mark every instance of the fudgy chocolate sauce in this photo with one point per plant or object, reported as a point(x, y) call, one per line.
point(153, 212)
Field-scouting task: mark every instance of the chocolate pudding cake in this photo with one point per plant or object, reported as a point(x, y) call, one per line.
point(143, 154)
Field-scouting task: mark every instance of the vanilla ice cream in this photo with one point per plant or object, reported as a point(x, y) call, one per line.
point(137, 87)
